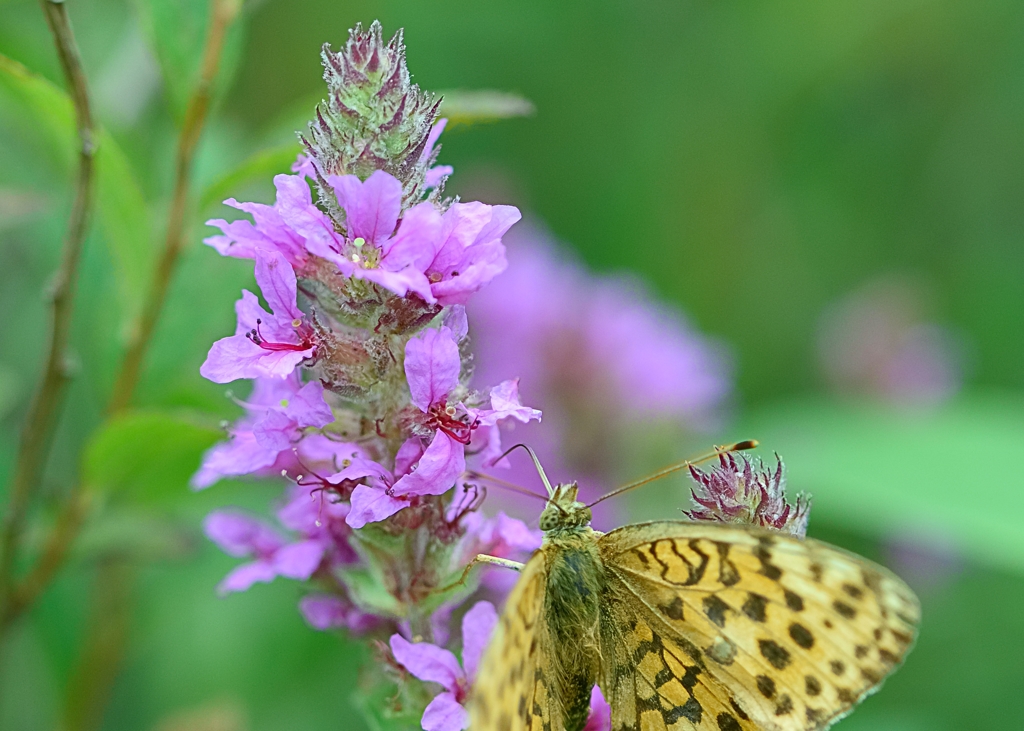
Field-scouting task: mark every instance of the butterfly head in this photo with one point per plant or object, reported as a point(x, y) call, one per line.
point(564, 511)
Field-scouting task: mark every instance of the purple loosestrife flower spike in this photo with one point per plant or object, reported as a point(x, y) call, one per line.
point(742, 490)
point(446, 712)
point(264, 344)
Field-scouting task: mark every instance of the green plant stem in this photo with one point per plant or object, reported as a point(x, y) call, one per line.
point(37, 433)
point(224, 13)
point(107, 636)
point(73, 511)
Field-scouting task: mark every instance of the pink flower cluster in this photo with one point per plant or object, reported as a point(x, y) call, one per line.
point(357, 344)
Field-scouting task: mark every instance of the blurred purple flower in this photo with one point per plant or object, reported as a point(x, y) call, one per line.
point(877, 342)
point(596, 354)
point(278, 411)
point(433, 664)
point(329, 611)
point(311, 512)
point(742, 490)
point(264, 344)
point(240, 535)
point(500, 536)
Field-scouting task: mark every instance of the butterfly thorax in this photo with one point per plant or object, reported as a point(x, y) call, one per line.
point(576, 583)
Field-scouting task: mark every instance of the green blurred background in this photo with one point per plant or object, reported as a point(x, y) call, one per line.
point(755, 162)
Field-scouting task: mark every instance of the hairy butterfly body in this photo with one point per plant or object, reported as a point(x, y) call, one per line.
point(688, 625)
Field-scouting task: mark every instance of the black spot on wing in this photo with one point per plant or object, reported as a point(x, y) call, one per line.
point(689, 678)
point(754, 607)
point(853, 591)
point(844, 609)
point(784, 706)
point(766, 686)
point(794, 601)
point(728, 574)
point(739, 711)
point(812, 685)
point(691, 711)
point(715, 609)
point(764, 555)
point(674, 609)
point(838, 667)
point(728, 722)
point(774, 653)
point(801, 635)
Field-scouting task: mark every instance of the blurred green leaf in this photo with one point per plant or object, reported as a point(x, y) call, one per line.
point(260, 167)
point(148, 456)
point(133, 532)
point(478, 106)
point(177, 31)
point(950, 471)
point(120, 205)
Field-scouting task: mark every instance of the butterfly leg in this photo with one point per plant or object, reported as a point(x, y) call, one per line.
point(481, 558)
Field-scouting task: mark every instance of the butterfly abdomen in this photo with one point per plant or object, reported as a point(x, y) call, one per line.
point(575, 587)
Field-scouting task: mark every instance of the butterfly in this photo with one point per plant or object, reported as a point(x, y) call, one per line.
point(688, 625)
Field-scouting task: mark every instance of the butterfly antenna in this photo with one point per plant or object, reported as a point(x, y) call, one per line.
point(737, 447)
point(536, 463)
point(540, 471)
point(473, 474)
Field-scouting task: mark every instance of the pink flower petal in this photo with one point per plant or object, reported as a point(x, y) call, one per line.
point(409, 279)
point(477, 626)
point(238, 534)
point(505, 404)
point(298, 560)
point(444, 714)
point(408, 455)
point(326, 611)
point(244, 576)
point(438, 469)
point(432, 364)
point(242, 455)
point(371, 206)
point(372, 504)
point(427, 662)
point(276, 279)
point(600, 712)
point(416, 240)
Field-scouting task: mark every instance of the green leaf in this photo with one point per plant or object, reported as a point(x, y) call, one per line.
point(120, 205)
point(951, 471)
point(138, 533)
point(147, 456)
point(177, 32)
point(260, 167)
point(462, 106)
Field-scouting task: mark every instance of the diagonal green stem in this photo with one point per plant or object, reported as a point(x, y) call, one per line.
point(37, 432)
point(224, 13)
